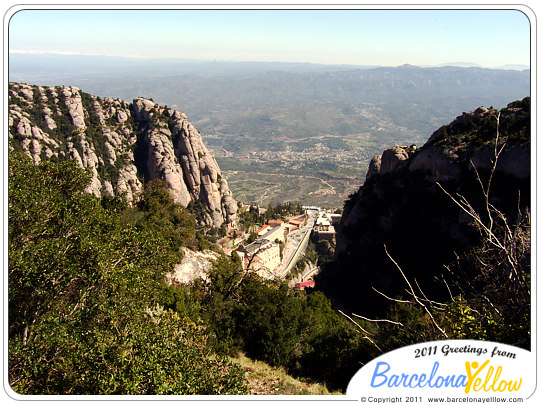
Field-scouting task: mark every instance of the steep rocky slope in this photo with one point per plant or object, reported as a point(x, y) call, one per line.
point(122, 144)
point(401, 207)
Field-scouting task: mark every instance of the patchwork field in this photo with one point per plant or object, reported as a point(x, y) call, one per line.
point(263, 189)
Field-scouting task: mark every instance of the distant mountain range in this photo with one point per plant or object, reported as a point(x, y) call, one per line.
point(46, 66)
point(468, 64)
point(254, 114)
point(43, 66)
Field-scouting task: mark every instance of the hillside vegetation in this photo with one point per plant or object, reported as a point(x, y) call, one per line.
point(262, 119)
point(436, 243)
point(85, 286)
point(90, 312)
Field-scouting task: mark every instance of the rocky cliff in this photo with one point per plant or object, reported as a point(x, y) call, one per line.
point(401, 206)
point(122, 144)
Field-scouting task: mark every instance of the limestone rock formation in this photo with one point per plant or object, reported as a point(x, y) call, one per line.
point(402, 209)
point(437, 162)
point(194, 265)
point(465, 143)
point(122, 144)
point(392, 159)
point(374, 166)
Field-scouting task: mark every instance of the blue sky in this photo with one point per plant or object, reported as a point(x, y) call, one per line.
point(489, 38)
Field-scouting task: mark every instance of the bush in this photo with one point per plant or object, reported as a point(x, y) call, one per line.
point(270, 322)
point(84, 289)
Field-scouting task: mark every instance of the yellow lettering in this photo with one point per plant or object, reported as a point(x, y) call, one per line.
point(470, 375)
point(488, 376)
point(501, 387)
point(516, 386)
point(497, 374)
point(487, 384)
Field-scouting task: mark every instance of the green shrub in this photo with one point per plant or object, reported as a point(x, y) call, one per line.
point(84, 292)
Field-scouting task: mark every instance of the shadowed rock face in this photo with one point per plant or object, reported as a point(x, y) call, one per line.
point(121, 143)
point(401, 206)
point(392, 159)
point(374, 166)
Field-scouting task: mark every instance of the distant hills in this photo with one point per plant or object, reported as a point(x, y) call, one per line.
point(254, 114)
point(468, 64)
point(44, 66)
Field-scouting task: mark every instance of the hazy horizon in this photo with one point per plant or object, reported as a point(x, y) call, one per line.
point(487, 38)
point(233, 61)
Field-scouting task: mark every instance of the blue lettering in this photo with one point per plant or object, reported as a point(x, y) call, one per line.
point(413, 377)
point(433, 372)
point(376, 374)
point(381, 376)
point(463, 381)
point(393, 381)
point(404, 379)
point(422, 379)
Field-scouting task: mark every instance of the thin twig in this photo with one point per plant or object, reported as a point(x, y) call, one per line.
point(415, 297)
point(392, 299)
point(378, 320)
point(356, 323)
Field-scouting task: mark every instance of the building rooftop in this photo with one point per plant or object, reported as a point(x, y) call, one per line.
point(309, 283)
point(274, 222)
point(257, 245)
point(262, 228)
point(268, 235)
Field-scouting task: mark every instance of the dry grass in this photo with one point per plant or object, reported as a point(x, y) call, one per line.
point(265, 380)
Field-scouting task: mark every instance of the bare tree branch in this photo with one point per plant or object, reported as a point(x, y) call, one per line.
point(424, 307)
point(392, 299)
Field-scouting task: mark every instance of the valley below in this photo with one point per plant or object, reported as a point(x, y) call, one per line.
point(316, 176)
point(199, 224)
point(294, 133)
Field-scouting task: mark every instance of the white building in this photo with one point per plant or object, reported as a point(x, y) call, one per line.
point(325, 225)
point(261, 256)
point(273, 230)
